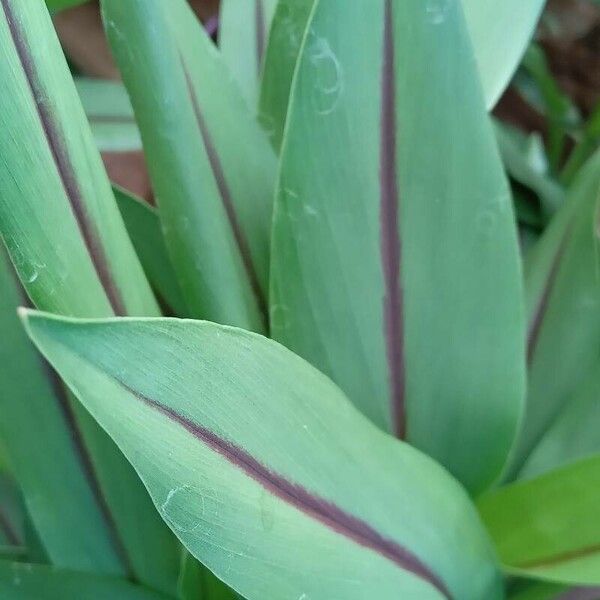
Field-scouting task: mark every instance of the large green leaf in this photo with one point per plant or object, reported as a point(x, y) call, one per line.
point(143, 226)
point(548, 527)
point(264, 470)
point(395, 261)
point(68, 242)
point(243, 33)
point(110, 114)
point(500, 30)
point(20, 581)
point(211, 165)
point(563, 298)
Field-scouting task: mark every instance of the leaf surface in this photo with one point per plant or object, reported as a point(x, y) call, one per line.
point(395, 262)
point(548, 527)
point(213, 172)
point(263, 469)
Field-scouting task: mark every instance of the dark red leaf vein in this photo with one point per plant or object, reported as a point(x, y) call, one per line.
point(261, 28)
point(390, 238)
point(320, 509)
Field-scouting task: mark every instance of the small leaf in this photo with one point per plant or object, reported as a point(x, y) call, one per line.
point(395, 264)
point(263, 469)
point(20, 581)
point(548, 527)
point(143, 226)
point(214, 172)
point(243, 33)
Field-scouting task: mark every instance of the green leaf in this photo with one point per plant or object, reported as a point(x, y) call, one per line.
point(264, 470)
point(20, 581)
point(573, 434)
point(56, 5)
point(214, 172)
point(68, 242)
point(143, 226)
point(45, 447)
point(110, 114)
point(501, 31)
point(58, 216)
point(395, 262)
point(285, 39)
point(196, 581)
point(550, 591)
point(243, 33)
point(548, 527)
point(563, 298)
point(11, 515)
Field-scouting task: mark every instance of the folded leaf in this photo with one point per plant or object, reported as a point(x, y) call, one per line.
point(20, 581)
point(143, 226)
point(243, 33)
point(573, 434)
point(395, 263)
point(68, 242)
point(110, 114)
point(563, 297)
point(264, 470)
point(500, 30)
point(214, 172)
point(548, 527)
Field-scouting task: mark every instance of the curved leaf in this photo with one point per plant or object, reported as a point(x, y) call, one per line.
point(243, 33)
point(20, 581)
point(501, 31)
point(263, 469)
point(213, 172)
point(395, 263)
point(548, 527)
point(563, 297)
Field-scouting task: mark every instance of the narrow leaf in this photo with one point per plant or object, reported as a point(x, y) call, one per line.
point(550, 591)
point(250, 452)
point(196, 581)
point(20, 581)
point(68, 242)
point(110, 114)
point(563, 298)
point(399, 280)
point(243, 33)
point(548, 527)
point(143, 226)
point(214, 173)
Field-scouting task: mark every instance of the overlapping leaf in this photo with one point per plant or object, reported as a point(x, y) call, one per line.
point(211, 165)
point(563, 297)
point(548, 527)
point(243, 32)
point(395, 263)
point(264, 470)
point(66, 237)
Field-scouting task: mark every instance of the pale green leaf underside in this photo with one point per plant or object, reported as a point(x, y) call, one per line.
point(253, 395)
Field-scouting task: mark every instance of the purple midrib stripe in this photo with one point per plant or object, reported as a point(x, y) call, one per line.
point(390, 239)
point(324, 511)
point(64, 167)
point(224, 192)
point(261, 27)
point(535, 326)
